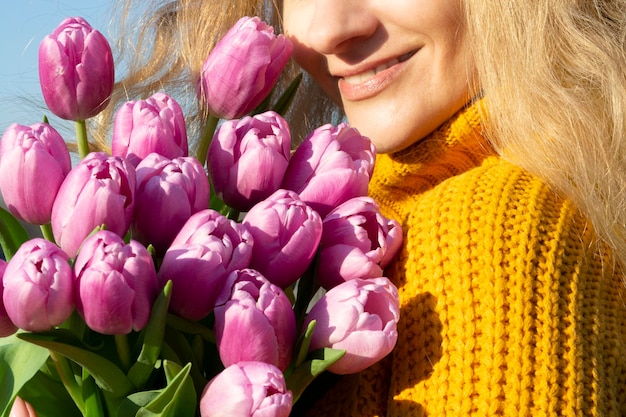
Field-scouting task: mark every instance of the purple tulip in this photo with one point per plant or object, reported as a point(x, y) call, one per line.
point(39, 157)
point(357, 242)
point(332, 165)
point(168, 193)
point(7, 327)
point(359, 316)
point(247, 389)
point(208, 248)
point(286, 234)
point(38, 286)
point(142, 127)
point(254, 321)
point(100, 190)
point(116, 284)
point(243, 68)
point(76, 70)
point(247, 159)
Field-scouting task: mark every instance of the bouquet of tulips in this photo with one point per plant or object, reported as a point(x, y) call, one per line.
point(171, 285)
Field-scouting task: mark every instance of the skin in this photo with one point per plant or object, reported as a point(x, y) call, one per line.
point(419, 48)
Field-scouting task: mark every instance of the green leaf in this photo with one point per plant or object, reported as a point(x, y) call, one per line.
point(153, 333)
point(49, 397)
point(182, 349)
point(178, 398)
point(107, 374)
point(190, 327)
point(318, 361)
point(304, 343)
point(12, 234)
point(186, 398)
point(19, 362)
point(284, 101)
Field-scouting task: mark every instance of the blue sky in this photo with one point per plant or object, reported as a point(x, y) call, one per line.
point(22, 26)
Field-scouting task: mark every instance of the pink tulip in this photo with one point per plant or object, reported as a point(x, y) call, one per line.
point(208, 248)
point(168, 193)
point(286, 233)
point(7, 328)
point(39, 157)
point(116, 284)
point(21, 408)
point(38, 286)
point(142, 127)
point(76, 70)
point(357, 242)
point(100, 190)
point(247, 159)
point(243, 68)
point(254, 321)
point(359, 316)
point(332, 165)
point(247, 389)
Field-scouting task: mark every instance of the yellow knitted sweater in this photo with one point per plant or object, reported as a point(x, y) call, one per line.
point(505, 308)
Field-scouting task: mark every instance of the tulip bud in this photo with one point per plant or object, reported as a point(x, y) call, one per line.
point(116, 284)
point(7, 328)
point(332, 165)
point(286, 233)
point(208, 248)
point(254, 321)
point(247, 159)
point(253, 389)
point(168, 193)
point(357, 242)
point(100, 190)
point(243, 68)
point(39, 157)
point(76, 70)
point(359, 316)
point(38, 286)
point(21, 408)
point(142, 127)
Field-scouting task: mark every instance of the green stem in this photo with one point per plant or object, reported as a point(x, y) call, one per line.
point(68, 379)
point(207, 135)
point(307, 287)
point(46, 231)
point(93, 402)
point(123, 350)
point(81, 138)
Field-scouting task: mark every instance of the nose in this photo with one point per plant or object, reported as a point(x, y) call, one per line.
point(337, 24)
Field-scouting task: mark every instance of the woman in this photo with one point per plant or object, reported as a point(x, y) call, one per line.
point(501, 132)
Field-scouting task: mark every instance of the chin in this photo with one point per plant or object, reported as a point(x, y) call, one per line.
point(384, 143)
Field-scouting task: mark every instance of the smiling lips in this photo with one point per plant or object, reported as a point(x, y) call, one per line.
point(364, 76)
point(368, 83)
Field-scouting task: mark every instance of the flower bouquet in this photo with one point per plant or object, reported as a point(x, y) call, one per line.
point(171, 285)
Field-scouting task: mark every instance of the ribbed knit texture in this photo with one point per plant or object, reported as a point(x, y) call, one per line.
point(505, 308)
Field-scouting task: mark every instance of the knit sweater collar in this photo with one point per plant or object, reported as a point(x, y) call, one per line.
point(455, 147)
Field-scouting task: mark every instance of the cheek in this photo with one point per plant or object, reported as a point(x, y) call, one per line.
point(316, 66)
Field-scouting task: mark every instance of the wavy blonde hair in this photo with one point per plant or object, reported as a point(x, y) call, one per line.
point(552, 73)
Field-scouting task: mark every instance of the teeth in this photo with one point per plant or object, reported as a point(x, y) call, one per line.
point(367, 75)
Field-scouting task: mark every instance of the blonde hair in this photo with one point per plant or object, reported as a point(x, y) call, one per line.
point(553, 74)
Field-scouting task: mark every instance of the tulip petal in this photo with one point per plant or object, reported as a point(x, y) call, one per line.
point(245, 334)
point(228, 394)
point(109, 300)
